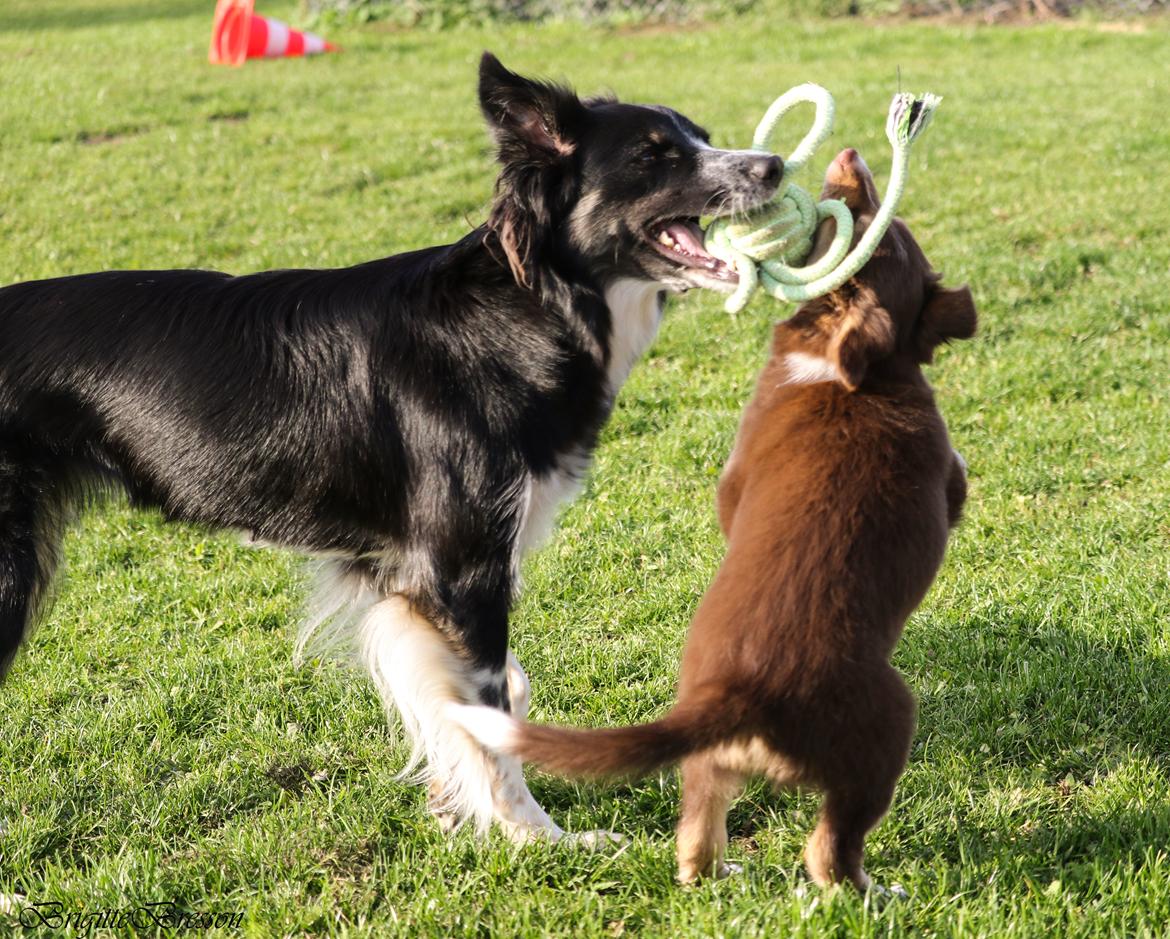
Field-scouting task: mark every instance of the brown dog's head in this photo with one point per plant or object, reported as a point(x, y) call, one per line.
point(895, 306)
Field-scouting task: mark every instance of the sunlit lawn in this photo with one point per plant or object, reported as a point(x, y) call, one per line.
point(157, 742)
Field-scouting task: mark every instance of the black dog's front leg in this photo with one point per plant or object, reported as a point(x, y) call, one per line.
point(475, 618)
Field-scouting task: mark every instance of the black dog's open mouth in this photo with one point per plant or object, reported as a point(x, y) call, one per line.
point(681, 240)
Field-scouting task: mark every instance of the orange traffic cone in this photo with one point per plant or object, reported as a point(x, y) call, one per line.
point(238, 34)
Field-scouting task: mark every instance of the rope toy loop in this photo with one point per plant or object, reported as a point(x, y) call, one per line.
point(769, 248)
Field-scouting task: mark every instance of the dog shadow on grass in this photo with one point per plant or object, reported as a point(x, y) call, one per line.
point(1065, 736)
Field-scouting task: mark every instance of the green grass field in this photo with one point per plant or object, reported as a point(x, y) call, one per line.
point(157, 743)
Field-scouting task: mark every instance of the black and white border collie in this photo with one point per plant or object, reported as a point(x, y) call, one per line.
point(414, 421)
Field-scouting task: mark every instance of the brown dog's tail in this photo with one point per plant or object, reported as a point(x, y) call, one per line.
point(610, 751)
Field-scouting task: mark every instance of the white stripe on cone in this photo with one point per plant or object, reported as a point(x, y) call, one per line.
point(277, 37)
point(313, 44)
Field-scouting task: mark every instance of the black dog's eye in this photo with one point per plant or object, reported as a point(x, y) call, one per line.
point(655, 150)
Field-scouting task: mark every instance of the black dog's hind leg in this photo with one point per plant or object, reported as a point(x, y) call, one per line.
point(30, 533)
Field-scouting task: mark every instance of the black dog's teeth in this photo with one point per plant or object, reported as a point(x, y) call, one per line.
point(690, 248)
point(664, 238)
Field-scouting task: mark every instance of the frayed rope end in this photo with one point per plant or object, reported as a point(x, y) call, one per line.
point(909, 116)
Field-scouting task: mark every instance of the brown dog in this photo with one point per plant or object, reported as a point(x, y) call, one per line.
point(836, 505)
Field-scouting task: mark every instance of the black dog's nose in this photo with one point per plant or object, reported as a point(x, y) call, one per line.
point(767, 169)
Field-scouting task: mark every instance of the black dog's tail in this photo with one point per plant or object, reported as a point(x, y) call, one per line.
point(605, 752)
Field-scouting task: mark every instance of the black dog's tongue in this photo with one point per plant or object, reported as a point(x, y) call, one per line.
point(688, 237)
point(682, 241)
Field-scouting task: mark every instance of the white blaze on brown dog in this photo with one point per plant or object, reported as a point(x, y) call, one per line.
point(836, 505)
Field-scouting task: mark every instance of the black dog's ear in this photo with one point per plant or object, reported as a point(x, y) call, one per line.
point(535, 117)
point(949, 314)
point(865, 334)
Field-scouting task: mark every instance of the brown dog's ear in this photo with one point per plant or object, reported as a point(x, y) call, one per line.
point(864, 335)
point(528, 118)
point(948, 314)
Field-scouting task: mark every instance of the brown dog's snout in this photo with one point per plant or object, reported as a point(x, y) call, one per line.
point(848, 177)
point(846, 158)
point(847, 168)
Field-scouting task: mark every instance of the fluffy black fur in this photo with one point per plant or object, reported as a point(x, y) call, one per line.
point(387, 415)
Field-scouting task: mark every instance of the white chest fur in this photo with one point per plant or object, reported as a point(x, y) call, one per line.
point(545, 496)
point(635, 310)
point(805, 369)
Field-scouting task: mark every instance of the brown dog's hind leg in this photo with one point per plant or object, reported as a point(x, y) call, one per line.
point(833, 854)
point(860, 786)
point(707, 791)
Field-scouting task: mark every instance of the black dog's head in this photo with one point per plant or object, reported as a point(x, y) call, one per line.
point(615, 188)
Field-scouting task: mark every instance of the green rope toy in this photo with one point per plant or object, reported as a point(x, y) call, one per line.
point(768, 247)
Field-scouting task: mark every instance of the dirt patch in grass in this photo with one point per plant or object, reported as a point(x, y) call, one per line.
point(296, 777)
point(111, 136)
